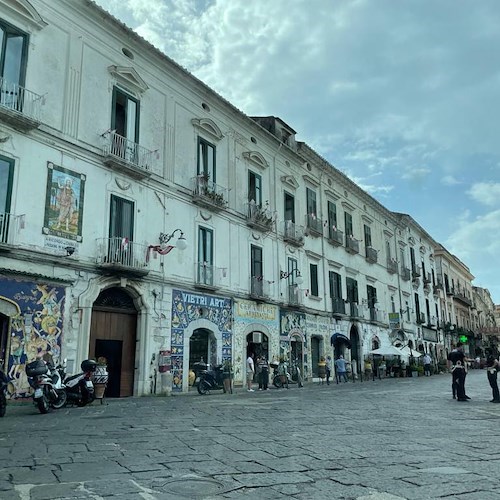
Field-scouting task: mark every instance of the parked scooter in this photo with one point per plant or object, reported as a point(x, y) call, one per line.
point(79, 387)
point(47, 384)
point(210, 380)
point(3, 393)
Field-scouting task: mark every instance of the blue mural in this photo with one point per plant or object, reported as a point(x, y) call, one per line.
point(188, 307)
point(35, 331)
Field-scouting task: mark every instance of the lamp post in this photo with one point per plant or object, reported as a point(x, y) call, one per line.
point(294, 272)
point(181, 243)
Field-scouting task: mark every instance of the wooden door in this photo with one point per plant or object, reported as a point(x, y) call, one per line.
point(117, 327)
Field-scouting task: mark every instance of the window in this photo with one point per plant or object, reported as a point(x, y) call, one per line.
point(407, 306)
point(292, 271)
point(335, 281)
point(6, 174)
point(428, 310)
point(417, 307)
point(255, 188)
point(332, 215)
point(289, 207)
point(13, 53)
point(368, 236)
point(256, 268)
point(412, 259)
point(371, 294)
point(125, 115)
point(313, 273)
point(311, 202)
point(205, 256)
point(348, 224)
point(388, 250)
point(393, 304)
point(352, 290)
point(206, 159)
point(121, 224)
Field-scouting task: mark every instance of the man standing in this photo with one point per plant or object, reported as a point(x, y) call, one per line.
point(492, 367)
point(427, 365)
point(250, 373)
point(340, 369)
point(456, 361)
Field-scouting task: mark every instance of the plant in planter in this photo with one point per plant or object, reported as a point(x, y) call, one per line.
point(101, 377)
point(414, 370)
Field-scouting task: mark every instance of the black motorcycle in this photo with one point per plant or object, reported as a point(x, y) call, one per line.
point(3, 393)
point(47, 385)
point(211, 380)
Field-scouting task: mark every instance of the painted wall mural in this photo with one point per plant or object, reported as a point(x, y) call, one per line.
point(35, 331)
point(188, 307)
point(293, 339)
point(64, 203)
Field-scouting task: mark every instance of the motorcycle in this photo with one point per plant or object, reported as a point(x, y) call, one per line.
point(79, 387)
point(211, 380)
point(3, 393)
point(47, 383)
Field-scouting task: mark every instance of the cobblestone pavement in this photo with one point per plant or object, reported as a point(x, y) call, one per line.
point(384, 440)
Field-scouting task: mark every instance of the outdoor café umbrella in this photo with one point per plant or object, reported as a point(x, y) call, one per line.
point(388, 351)
point(410, 352)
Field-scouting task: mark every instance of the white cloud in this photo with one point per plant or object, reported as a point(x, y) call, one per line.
point(487, 193)
point(450, 180)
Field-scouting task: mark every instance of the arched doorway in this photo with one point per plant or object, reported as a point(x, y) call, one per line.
point(355, 348)
point(315, 354)
point(296, 356)
point(113, 334)
point(202, 347)
point(257, 345)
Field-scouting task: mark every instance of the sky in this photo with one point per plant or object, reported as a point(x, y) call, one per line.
point(402, 96)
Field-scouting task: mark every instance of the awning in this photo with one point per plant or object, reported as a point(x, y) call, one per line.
point(389, 350)
point(338, 338)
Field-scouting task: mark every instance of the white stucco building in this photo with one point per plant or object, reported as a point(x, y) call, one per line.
point(145, 219)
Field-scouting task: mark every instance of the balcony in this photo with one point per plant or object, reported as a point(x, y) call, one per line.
point(392, 266)
point(335, 236)
point(416, 271)
point(435, 290)
point(208, 194)
point(294, 296)
point(293, 234)
point(127, 157)
point(371, 255)
point(427, 278)
point(260, 217)
point(9, 227)
point(351, 244)
point(19, 107)
point(206, 276)
point(314, 225)
point(354, 310)
point(439, 284)
point(374, 315)
point(121, 256)
point(405, 274)
point(460, 295)
point(259, 288)
point(338, 306)
point(421, 318)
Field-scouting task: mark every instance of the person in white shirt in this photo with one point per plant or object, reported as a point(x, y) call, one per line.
point(250, 373)
point(427, 365)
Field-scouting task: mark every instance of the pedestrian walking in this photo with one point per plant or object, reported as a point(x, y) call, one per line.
point(328, 369)
point(492, 367)
point(340, 369)
point(427, 365)
point(322, 369)
point(283, 372)
point(250, 372)
point(368, 368)
point(263, 371)
point(456, 359)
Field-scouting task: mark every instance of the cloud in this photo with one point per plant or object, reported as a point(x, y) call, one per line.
point(450, 180)
point(487, 193)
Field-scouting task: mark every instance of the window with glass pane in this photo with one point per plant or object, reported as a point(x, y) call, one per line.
point(121, 224)
point(311, 202)
point(6, 174)
point(125, 115)
point(388, 249)
point(292, 270)
point(352, 290)
point(255, 188)
point(206, 159)
point(371, 294)
point(332, 214)
point(368, 236)
point(205, 256)
point(289, 207)
point(313, 272)
point(256, 270)
point(348, 224)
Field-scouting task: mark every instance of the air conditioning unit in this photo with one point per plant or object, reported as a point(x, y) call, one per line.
point(257, 337)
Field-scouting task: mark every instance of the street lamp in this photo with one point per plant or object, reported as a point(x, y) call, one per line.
point(181, 243)
point(296, 272)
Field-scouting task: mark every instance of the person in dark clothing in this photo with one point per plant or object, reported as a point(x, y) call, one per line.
point(263, 367)
point(492, 367)
point(456, 361)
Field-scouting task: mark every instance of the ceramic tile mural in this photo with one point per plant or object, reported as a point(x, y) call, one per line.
point(188, 307)
point(35, 331)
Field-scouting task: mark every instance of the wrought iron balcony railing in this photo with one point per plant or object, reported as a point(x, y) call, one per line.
point(405, 274)
point(260, 217)
point(19, 106)
point(416, 271)
point(9, 226)
point(292, 233)
point(335, 236)
point(392, 266)
point(206, 275)
point(259, 287)
point(294, 295)
point(371, 255)
point(122, 255)
point(351, 244)
point(338, 305)
point(314, 225)
point(209, 194)
point(127, 156)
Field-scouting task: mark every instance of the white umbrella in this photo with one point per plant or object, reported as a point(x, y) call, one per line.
point(410, 352)
point(388, 351)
